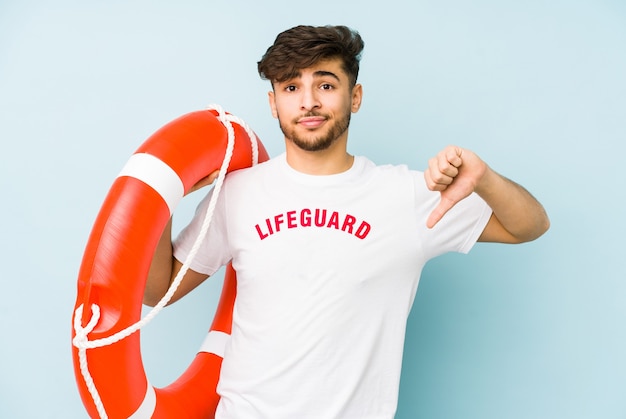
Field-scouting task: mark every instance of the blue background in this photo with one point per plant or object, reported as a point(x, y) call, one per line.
point(537, 88)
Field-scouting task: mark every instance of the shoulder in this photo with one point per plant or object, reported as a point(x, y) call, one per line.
point(397, 183)
point(393, 172)
point(254, 172)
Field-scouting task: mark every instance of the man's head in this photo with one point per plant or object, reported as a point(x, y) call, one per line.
point(304, 46)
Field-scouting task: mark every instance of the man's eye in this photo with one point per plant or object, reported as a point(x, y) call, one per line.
point(290, 88)
point(326, 86)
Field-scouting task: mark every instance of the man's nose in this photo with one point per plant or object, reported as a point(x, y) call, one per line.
point(309, 100)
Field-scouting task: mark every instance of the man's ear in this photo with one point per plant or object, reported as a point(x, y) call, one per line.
point(272, 100)
point(357, 97)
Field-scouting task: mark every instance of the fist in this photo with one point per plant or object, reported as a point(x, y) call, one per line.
point(455, 173)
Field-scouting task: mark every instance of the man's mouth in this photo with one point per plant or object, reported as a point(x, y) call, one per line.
point(311, 121)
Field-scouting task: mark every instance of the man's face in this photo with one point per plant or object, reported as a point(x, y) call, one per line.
point(314, 107)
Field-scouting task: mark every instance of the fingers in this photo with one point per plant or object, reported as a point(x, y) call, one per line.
point(454, 155)
point(442, 171)
point(443, 168)
point(205, 181)
point(212, 176)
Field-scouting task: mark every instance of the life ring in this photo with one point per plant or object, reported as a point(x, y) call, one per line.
point(116, 261)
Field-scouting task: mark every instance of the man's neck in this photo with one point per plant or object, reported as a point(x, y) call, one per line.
point(324, 162)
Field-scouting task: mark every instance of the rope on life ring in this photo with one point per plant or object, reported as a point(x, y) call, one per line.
point(154, 179)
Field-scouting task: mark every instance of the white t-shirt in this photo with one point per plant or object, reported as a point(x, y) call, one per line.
point(327, 270)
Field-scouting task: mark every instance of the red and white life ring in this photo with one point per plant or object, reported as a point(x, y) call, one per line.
point(116, 261)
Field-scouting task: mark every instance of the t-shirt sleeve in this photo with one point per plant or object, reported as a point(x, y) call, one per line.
point(213, 252)
point(460, 227)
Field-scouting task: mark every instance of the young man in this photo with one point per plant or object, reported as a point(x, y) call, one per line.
point(329, 247)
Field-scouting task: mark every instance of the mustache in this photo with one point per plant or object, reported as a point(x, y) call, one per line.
point(312, 114)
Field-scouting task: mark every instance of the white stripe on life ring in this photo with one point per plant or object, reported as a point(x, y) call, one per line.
point(158, 175)
point(215, 343)
point(148, 405)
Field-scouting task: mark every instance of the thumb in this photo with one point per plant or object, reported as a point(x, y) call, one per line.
point(440, 210)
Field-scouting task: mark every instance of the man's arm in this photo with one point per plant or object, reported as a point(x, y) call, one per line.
point(456, 172)
point(165, 266)
point(164, 269)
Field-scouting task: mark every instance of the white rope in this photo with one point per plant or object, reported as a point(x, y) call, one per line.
point(80, 337)
point(81, 340)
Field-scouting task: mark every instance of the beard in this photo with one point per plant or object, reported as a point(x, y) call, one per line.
point(315, 142)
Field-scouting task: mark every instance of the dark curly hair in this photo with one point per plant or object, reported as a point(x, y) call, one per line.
point(304, 46)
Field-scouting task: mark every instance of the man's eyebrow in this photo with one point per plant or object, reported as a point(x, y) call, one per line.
point(319, 73)
point(322, 73)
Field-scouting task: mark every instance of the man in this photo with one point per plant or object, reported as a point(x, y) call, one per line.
point(329, 247)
